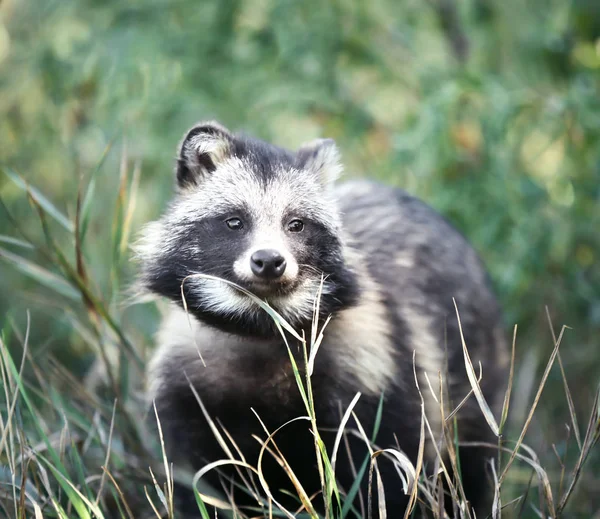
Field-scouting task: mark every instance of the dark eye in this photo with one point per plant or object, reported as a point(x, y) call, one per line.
point(295, 226)
point(235, 224)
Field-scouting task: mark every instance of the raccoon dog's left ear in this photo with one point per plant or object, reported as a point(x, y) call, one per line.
point(201, 150)
point(321, 158)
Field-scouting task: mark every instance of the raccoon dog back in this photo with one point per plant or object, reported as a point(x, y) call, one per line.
point(251, 218)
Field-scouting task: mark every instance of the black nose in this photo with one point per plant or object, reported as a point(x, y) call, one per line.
point(267, 264)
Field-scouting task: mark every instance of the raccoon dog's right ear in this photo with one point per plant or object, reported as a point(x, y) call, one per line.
point(201, 150)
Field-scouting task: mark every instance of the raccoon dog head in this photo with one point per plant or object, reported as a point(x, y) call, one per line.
point(256, 215)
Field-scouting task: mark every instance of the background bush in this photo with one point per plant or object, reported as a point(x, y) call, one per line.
point(489, 110)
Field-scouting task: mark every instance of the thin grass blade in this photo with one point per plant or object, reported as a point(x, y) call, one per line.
point(511, 374)
point(48, 206)
point(485, 408)
point(9, 240)
point(570, 403)
point(40, 274)
point(534, 405)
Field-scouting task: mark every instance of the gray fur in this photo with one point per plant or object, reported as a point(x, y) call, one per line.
point(393, 269)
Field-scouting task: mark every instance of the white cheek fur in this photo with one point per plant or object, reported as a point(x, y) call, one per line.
point(219, 297)
point(224, 299)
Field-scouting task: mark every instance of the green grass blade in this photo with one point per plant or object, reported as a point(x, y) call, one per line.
point(85, 209)
point(8, 362)
point(201, 505)
point(80, 469)
point(81, 504)
point(48, 206)
point(118, 217)
point(40, 274)
point(354, 489)
point(9, 240)
point(91, 189)
point(378, 416)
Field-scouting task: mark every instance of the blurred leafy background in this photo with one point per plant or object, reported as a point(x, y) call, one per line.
point(489, 110)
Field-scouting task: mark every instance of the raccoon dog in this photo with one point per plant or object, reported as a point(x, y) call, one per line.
point(274, 222)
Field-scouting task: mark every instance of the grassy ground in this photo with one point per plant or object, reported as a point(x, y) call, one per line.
point(490, 111)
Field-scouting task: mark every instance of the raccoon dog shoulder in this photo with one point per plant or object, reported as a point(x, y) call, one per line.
point(388, 268)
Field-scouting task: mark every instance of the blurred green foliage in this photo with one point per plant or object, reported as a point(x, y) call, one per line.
point(489, 110)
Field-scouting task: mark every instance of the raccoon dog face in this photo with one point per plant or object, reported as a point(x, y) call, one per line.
point(255, 215)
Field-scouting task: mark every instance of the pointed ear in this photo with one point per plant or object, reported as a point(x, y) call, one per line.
point(321, 158)
point(201, 150)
